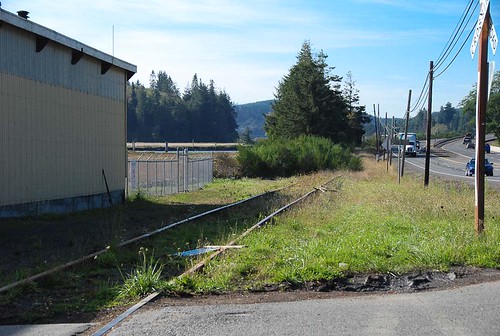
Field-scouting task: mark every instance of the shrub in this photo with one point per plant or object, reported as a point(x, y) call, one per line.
point(305, 154)
point(226, 166)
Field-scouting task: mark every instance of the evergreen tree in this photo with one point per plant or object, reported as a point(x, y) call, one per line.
point(418, 124)
point(160, 113)
point(227, 128)
point(493, 113)
point(308, 101)
point(356, 115)
point(132, 123)
point(446, 115)
point(246, 136)
point(468, 106)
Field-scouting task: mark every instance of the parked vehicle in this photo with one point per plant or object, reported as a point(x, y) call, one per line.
point(470, 167)
point(466, 139)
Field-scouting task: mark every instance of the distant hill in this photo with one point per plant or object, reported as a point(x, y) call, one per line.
point(251, 115)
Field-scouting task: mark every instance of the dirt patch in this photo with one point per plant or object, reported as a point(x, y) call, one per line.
point(350, 285)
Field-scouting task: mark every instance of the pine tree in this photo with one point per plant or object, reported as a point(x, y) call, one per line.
point(356, 115)
point(246, 136)
point(132, 104)
point(308, 101)
point(160, 113)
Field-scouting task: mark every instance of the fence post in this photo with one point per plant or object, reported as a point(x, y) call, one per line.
point(178, 170)
point(186, 169)
point(147, 176)
point(139, 175)
point(156, 177)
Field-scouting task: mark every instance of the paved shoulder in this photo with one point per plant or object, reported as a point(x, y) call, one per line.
point(44, 329)
point(470, 310)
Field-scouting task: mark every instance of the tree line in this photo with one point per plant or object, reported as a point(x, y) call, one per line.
point(448, 120)
point(310, 100)
point(493, 109)
point(161, 113)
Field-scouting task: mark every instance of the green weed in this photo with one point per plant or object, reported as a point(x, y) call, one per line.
point(144, 279)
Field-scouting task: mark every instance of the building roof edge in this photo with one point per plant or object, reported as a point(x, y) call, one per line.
point(37, 29)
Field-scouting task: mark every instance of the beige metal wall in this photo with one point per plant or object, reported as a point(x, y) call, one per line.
point(54, 142)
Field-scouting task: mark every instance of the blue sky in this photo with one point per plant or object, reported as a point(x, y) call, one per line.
point(247, 47)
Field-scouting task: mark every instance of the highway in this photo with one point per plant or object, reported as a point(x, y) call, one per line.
point(449, 161)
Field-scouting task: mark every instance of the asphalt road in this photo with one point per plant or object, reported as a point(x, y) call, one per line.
point(449, 162)
point(470, 310)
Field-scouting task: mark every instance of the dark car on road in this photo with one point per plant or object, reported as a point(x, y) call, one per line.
point(470, 167)
point(466, 139)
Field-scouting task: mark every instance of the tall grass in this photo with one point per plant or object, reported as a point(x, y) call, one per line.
point(372, 224)
point(144, 279)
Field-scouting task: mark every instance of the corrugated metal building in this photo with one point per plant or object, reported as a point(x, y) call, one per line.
point(63, 121)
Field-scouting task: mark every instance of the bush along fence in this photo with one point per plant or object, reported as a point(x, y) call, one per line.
point(157, 176)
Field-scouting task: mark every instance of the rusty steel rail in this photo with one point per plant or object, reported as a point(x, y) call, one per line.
point(127, 242)
point(105, 329)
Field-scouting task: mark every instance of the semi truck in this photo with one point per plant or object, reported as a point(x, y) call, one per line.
point(411, 145)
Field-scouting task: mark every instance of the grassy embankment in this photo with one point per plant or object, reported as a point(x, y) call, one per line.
point(370, 224)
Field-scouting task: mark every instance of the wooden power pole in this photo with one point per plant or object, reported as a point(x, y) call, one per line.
point(406, 132)
point(376, 131)
point(484, 29)
point(429, 124)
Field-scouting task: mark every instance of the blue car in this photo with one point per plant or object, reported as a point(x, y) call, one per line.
point(470, 167)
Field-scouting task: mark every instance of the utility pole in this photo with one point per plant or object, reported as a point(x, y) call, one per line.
point(484, 29)
point(376, 130)
point(386, 142)
point(429, 124)
point(392, 137)
point(406, 132)
point(379, 126)
point(482, 101)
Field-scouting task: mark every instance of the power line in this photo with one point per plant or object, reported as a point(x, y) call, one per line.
point(456, 55)
point(445, 53)
point(424, 87)
point(453, 40)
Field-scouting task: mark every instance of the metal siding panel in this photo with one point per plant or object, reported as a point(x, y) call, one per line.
point(56, 141)
point(4, 116)
point(8, 46)
point(14, 148)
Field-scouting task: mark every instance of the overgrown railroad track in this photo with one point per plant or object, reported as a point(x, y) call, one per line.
point(43, 289)
point(106, 328)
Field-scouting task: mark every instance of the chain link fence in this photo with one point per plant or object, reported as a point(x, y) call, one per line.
point(159, 175)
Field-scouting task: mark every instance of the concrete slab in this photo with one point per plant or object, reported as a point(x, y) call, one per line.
point(44, 329)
